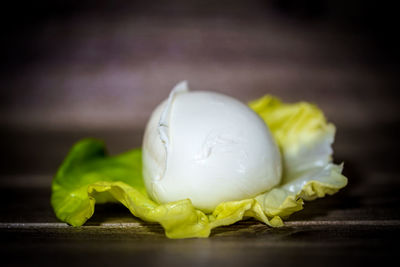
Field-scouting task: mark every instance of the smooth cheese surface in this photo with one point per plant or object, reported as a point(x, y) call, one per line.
point(209, 148)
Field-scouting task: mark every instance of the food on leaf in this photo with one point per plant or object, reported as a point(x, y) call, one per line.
point(208, 160)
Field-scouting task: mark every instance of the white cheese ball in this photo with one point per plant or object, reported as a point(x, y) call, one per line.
point(209, 148)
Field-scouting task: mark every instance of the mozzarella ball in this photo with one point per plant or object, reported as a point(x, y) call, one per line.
point(209, 148)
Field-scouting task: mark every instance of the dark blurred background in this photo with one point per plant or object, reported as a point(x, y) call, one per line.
point(68, 64)
point(73, 69)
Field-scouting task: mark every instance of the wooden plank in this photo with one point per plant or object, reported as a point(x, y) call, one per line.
point(246, 243)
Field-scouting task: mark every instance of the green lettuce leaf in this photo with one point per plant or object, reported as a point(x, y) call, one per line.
point(86, 164)
point(89, 176)
point(304, 138)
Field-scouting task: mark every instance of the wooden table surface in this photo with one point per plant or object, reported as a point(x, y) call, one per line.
point(97, 75)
